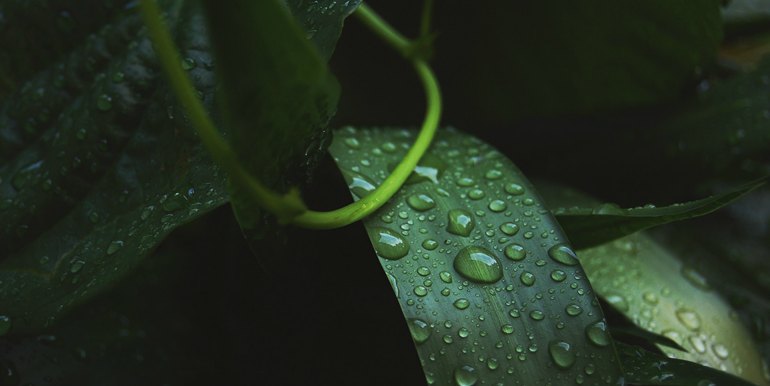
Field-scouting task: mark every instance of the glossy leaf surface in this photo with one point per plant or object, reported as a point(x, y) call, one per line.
point(488, 286)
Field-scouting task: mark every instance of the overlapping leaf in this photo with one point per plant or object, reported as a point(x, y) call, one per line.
point(588, 227)
point(489, 288)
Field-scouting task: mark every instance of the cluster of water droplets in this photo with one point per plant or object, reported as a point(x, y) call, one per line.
point(454, 236)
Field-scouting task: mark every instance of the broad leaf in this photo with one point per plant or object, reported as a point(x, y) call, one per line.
point(112, 175)
point(588, 227)
point(278, 96)
point(489, 287)
point(642, 367)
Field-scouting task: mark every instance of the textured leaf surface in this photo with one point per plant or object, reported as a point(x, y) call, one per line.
point(588, 227)
point(658, 292)
point(645, 368)
point(110, 177)
point(465, 245)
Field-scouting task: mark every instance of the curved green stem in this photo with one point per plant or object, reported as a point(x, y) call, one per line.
point(289, 208)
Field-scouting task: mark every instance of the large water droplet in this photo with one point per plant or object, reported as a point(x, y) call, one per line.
point(563, 254)
point(688, 318)
point(562, 354)
point(497, 206)
point(461, 303)
point(597, 333)
point(420, 330)
point(460, 222)
point(465, 376)
point(421, 202)
point(388, 244)
point(515, 252)
point(573, 310)
point(558, 275)
point(478, 264)
point(514, 189)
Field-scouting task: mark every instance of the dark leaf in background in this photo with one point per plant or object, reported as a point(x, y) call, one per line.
point(114, 173)
point(491, 291)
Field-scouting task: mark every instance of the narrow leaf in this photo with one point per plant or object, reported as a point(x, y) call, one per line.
point(588, 227)
point(642, 367)
point(488, 286)
point(278, 96)
point(635, 332)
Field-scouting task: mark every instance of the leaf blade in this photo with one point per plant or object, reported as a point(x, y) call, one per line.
point(451, 302)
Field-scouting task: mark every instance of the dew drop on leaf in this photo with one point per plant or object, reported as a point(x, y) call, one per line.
point(562, 354)
point(460, 222)
point(478, 264)
point(430, 244)
point(465, 376)
point(597, 333)
point(461, 303)
point(558, 275)
point(388, 244)
point(515, 252)
point(420, 330)
point(563, 254)
point(5, 324)
point(527, 278)
point(688, 318)
point(421, 202)
point(509, 228)
point(573, 310)
point(497, 206)
point(104, 102)
point(114, 246)
point(514, 189)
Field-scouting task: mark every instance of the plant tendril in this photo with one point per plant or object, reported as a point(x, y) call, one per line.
point(289, 208)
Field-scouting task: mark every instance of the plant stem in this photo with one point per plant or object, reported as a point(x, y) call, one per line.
point(289, 208)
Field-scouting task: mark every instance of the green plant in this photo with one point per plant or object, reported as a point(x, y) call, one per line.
point(100, 163)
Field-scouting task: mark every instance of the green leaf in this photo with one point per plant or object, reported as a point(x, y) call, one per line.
point(488, 287)
point(584, 57)
point(322, 21)
point(634, 331)
point(645, 368)
point(588, 227)
point(114, 173)
point(658, 292)
point(35, 33)
point(278, 96)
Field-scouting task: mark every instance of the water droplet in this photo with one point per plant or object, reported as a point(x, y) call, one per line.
point(445, 276)
point(114, 246)
point(420, 291)
point(607, 209)
point(352, 143)
point(5, 324)
point(695, 278)
point(25, 175)
point(188, 64)
point(493, 174)
point(460, 222)
point(359, 184)
point(447, 339)
point(465, 182)
point(478, 264)
point(465, 376)
point(537, 315)
point(77, 265)
point(423, 271)
point(558, 275)
point(509, 228)
point(463, 332)
point(697, 343)
point(617, 301)
point(507, 329)
point(389, 147)
point(461, 303)
point(650, 298)
point(597, 333)
point(420, 330)
point(497, 206)
point(527, 278)
point(562, 354)
point(388, 244)
point(104, 102)
point(421, 202)
point(174, 203)
point(573, 310)
point(476, 194)
point(688, 318)
point(719, 350)
point(563, 254)
point(492, 364)
point(515, 252)
point(514, 189)
point(430, 244)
